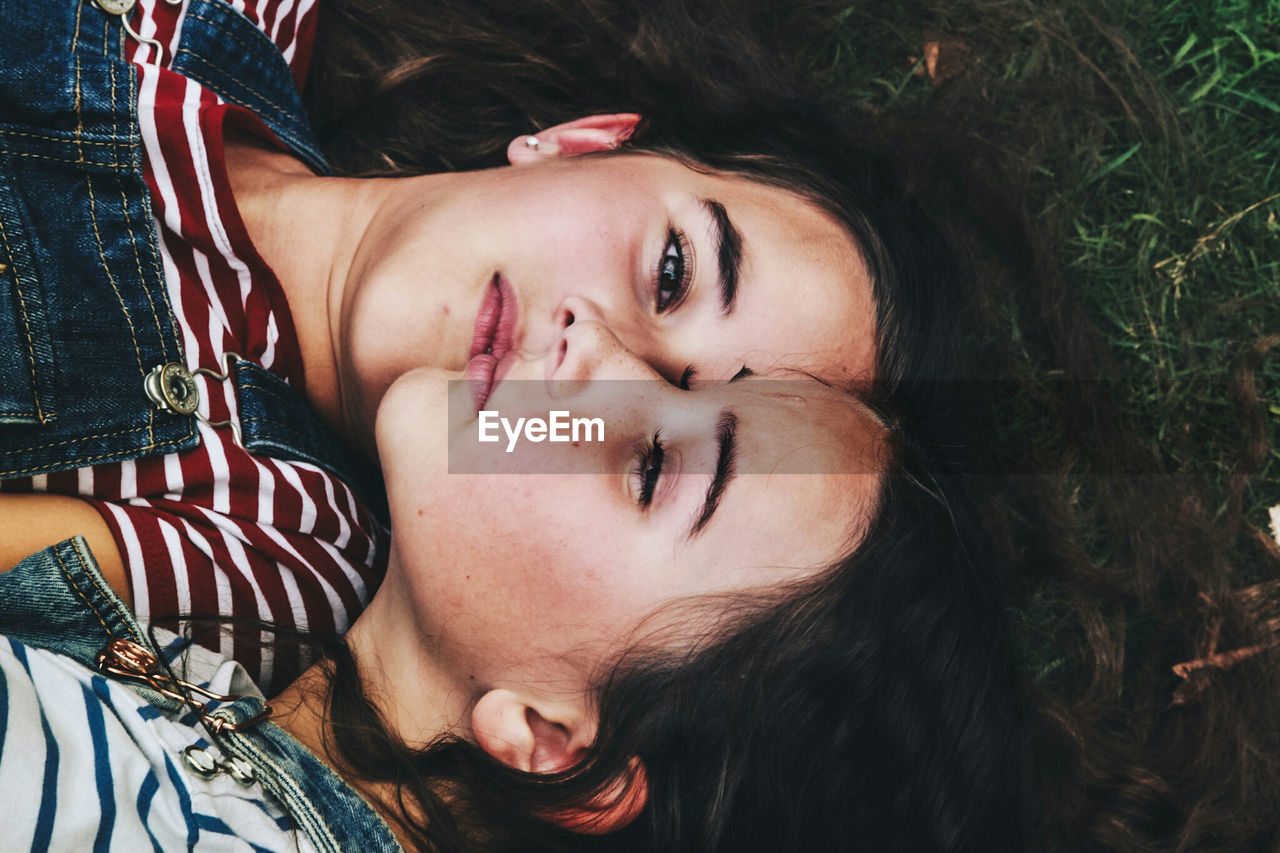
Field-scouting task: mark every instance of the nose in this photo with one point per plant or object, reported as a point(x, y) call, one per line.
point(640, 341)
point(589, 350)
point(575, 309)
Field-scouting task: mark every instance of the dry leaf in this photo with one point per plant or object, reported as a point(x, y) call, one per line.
point(943, 59)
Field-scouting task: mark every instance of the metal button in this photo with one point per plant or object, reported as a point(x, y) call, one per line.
point(240, 770)
point(200, 760)
point(172, 388)
point(116, 7)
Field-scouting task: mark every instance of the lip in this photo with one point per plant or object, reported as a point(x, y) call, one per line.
point(494, 339)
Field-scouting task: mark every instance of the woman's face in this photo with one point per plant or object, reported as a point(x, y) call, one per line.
point(688, 270)
point(519, 573)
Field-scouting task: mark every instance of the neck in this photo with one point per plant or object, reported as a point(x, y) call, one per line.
point(306, 229)
point(415, 700)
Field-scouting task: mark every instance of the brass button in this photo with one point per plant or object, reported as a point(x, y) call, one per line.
point(200, 761)
point(116, 7)
point(172, 388)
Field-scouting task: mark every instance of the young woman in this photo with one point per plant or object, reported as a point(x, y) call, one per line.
point(729, 628)
point(229, 292)
point(1154, 612)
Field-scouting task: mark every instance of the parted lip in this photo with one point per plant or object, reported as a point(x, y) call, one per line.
point(494, 338)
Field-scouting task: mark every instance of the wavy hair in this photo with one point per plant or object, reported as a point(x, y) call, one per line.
point(873, 707)
point(867, 710)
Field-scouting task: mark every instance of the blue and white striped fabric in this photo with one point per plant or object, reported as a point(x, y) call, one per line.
point(87, 765)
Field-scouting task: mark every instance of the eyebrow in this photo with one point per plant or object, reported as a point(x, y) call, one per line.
point(728, 241)
point(726, 469)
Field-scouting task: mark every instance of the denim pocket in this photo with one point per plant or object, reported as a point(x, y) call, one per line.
point(84, 310)
point(27, 369)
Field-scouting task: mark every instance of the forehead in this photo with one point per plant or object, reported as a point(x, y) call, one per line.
point(805, 299)
point(809, 467)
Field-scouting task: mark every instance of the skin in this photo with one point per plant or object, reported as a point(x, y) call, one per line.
point(390, 274)
point(508, 591)
point(495, 631)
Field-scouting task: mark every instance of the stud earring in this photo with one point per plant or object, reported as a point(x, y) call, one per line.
point(532, 143)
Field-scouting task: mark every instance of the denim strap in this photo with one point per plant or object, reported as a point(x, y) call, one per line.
point(226, 53)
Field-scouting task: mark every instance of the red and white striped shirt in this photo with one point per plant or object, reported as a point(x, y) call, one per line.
point(216, 530)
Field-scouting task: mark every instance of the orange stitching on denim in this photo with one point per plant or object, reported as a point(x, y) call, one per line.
point(48, 138)
point(78, 438)
point(75, 46)
point(222, 30)
point(108, 595)
point(106, 35)
point(26, 323)
point(76, 589)
point(151, 232)
point(133, 237)
point(267, 101)
point(93, 216)
point(80, 161)
point(78, 463)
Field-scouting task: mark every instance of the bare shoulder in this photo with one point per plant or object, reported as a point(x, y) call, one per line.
point(31, 522)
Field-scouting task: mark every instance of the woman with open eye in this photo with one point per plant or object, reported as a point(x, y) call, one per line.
point(214, 406)
point(201, 405)
point(215, 354)
point(687, 633)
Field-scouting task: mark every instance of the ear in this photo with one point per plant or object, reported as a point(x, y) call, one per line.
point(580, 136)
point(539, 737)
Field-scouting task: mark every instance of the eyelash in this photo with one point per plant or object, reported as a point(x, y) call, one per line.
point(687, 376)
point(677, 264)
point(649, 459)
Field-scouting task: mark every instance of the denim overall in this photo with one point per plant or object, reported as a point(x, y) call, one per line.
point(57, 600)
point(86, 328)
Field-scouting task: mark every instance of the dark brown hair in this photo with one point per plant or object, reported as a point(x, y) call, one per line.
point(867, 711)
point(876, 706)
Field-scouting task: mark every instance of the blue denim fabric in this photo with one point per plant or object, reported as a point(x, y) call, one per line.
point(57, 600)
point(84, 313)
point(224, 52)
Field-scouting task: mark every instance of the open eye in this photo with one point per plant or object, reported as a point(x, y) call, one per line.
point(674, 272)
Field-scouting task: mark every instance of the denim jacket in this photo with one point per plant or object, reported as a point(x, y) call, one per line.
point(85, 317)
point(57, 600)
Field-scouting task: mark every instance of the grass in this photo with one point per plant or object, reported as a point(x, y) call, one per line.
point(1149, 132)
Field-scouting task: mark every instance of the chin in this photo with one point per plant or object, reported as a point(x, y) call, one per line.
point(412, 426)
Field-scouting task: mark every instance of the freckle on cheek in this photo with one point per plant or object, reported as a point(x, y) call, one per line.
point(422, 512)
point(445, 309)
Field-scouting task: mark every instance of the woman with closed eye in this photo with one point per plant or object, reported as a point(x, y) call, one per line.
point(655, 636)
point(253, 346)
point(247, 309)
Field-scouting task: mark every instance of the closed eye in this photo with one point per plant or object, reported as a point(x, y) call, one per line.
point(648, 470)
point(689, 372)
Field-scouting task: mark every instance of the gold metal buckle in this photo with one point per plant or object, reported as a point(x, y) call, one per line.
point(128, 660)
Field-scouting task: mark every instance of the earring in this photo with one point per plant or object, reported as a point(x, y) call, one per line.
point(532, 143)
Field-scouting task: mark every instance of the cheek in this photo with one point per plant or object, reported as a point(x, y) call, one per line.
point(542, 559)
